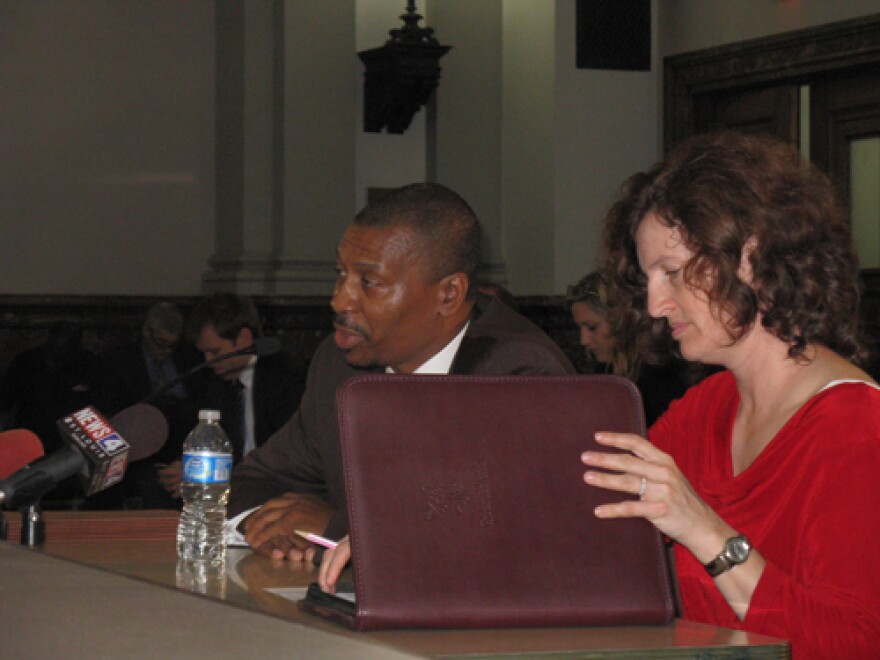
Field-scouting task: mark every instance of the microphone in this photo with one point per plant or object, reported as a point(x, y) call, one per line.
point(144, 427)
point(261, 348)
point(96, 452)
point(18, 447)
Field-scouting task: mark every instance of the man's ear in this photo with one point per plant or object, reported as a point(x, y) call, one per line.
point(244, 338)
point(451, 293)
point(745, 261)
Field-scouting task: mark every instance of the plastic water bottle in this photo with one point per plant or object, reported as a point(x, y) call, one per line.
point(207, 469)
point(202, 577)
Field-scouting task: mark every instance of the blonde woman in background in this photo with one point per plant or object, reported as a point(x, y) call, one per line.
point(614, 347)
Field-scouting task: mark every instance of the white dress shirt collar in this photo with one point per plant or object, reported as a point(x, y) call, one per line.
point(441, 363)
point(247, 374)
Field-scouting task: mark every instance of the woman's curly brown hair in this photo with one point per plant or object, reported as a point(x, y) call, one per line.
point(722, 191)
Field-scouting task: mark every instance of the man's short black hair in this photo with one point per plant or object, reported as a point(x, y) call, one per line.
point(448, 229)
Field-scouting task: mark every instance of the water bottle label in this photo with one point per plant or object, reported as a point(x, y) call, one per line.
point(207, 467)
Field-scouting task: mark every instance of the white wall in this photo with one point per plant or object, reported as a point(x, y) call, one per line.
point(694, 24)
point(606, 128)
point(609, 123)
point(470, 115)
point(106, 158)
point(107, 144)
point(528, 145)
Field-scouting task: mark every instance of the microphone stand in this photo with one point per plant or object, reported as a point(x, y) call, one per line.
point(171, 384)
point(33, 527)
point(261, 347)
point(27, 499)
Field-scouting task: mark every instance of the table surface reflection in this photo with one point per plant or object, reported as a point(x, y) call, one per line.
point(140, 544)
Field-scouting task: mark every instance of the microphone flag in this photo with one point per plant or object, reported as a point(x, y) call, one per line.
point(105, 451)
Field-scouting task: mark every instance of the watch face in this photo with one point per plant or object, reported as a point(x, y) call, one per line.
point(738, 549)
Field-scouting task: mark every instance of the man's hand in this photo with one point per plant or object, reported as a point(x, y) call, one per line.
point(170, 477)
point(270, 529)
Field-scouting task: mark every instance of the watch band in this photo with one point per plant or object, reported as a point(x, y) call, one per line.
point(736, 551)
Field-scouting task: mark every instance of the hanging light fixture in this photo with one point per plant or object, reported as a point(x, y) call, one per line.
point(401, 75)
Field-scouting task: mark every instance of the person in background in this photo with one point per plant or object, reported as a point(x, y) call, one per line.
point(587, 302)
point(762, 474)
point(155, 359)
point(405, 301)
point(499, 291)
point(134, 371)
point(614, 347)
point(255, 395)
point(45, 383)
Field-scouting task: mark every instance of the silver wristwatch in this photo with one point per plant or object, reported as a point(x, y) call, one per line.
point(736, 551)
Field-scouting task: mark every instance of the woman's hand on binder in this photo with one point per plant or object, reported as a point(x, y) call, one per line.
point(666, 498)
point(332, 564)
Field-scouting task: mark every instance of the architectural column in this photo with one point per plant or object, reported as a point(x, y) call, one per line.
point(285, 144)
point(467, 132)
point(495, 130)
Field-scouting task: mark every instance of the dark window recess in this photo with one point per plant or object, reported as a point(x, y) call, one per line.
point(614, 34)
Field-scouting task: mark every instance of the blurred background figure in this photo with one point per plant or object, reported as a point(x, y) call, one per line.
point(46, 383)
point(255, 395)
point(500, 292)
point(135, 370)
point(614, 345)
point(587, 302)
point(132, 372)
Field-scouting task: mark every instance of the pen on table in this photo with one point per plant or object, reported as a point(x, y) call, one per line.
point(318, 540)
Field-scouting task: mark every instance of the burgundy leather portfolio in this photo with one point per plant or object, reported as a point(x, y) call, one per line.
point(468, 509)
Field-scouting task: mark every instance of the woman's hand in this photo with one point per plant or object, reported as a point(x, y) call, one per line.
point(332, 564)
point(670, 503)
point(666, 498)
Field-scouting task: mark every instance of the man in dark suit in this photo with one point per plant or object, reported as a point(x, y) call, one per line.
point(406, 302)
point(137, 369)
point(255, 395)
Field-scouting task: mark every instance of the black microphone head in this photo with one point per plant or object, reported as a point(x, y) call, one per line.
point(143, 427)
point(266, 346)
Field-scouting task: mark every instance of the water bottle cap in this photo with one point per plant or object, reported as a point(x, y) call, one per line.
point(209, 415)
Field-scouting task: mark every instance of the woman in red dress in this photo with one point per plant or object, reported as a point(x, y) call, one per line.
point(763, 475)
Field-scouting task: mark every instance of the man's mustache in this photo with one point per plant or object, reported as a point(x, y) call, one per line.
point(343, 321)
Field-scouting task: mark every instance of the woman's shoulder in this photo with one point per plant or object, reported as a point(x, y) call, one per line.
point(708, 402)
point(842, 385)
point(849, 394)
point(840, 424)
point(844, 407)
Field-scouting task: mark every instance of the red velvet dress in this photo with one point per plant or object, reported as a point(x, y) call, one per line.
point(810, 503)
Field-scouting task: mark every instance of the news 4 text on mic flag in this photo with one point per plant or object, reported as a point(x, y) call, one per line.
point(101, 445)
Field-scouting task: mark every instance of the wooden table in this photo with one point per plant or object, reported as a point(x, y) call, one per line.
point(136, 555)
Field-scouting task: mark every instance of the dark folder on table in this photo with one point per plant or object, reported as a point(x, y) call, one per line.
point(467, 506)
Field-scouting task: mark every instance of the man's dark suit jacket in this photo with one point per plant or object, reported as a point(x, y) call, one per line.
point(305, 456)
